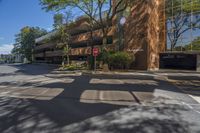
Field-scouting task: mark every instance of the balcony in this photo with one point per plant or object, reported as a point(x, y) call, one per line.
point(44, 46)
point(80, 51)
point(39, 55)
point(73, 52)
point(54, 53)
point(83, 37)
point(86, 36)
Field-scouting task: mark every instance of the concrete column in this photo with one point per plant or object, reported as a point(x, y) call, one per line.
point(145, 33)
point(156, 33)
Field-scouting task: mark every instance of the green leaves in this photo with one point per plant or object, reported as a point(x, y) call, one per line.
point(58, 20)
point(57, 5)
point(195, 44)
point(176, 7)
point(182, 15)
point(25, 40)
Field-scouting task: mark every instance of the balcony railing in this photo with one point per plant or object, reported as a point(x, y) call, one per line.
point(80, 51)
point(39, 55)
point(44, 46)
point(86, 36)
point(73, 52)
point(54, 53)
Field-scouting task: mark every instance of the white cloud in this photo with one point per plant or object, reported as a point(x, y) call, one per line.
point(6, 48)
point(49, 29)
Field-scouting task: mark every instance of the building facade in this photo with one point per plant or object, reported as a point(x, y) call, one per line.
point(10, 58)
point(143, 35)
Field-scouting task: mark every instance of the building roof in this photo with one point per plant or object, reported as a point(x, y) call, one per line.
point(47, 36)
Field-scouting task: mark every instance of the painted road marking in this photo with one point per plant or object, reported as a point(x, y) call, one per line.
point(189, 106)
point(196, 98)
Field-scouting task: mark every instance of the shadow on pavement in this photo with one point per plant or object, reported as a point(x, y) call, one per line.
point(189, 84)
point(71, 111)
point(139, 119)
point(22, 115)
point(33, 69)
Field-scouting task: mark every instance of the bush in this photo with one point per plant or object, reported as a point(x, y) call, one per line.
point(71, 67)
point(120, 60)
point(115, 60)
point(68, 67)
point(104, 56)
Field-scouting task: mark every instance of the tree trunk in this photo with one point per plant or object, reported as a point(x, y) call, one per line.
point(171, 47)
point(104, 42)
point(63, 62)
point(68, 62)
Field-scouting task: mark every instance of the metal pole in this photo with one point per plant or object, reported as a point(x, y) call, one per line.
point(191, 26)
point(95, 63)
point(172, 23)
point(182, 22)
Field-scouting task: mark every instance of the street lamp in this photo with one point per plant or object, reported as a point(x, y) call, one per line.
point(122, 22)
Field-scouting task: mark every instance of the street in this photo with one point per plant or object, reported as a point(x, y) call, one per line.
point(37, 98)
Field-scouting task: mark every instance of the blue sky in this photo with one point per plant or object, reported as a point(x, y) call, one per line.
point(15, 14)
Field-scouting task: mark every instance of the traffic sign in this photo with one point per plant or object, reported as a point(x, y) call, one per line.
point(95, 52)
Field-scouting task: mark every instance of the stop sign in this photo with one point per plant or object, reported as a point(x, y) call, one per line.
point(95, 51)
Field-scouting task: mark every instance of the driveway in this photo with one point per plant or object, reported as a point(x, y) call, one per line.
point(35, 99)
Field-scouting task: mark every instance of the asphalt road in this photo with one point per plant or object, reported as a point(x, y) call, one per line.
point(35, 99)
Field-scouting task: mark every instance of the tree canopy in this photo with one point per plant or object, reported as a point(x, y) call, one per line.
point(25, 40)
point(58, 20)
point(195, 44)
point(99, 12)
point(182, 15)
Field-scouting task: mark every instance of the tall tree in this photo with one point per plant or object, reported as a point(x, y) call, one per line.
point(182, 16)
point(25, 41)
point(64, 38)
point(58, 20)
point(99, 12)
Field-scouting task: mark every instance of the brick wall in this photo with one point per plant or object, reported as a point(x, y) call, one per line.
point(145, 33)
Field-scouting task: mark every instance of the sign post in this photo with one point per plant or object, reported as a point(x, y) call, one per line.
point(95, 54)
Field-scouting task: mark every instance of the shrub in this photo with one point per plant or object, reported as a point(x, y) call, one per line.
point(70, 67)
point(120, 60)
point(115, 60)
point(104, 56)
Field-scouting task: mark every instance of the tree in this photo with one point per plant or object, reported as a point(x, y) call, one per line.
point(58, 20)
point(25, 41)
point(64, 40)
point(182, 16)
point(99, 12)
point(114, 9)
point(195, 44)
point(16, 49)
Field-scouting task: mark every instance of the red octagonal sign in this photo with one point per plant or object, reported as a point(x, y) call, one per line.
point(95, 52)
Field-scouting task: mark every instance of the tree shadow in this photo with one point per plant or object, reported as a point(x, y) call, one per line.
point(33, 69)
point(64, 109)
point(22, 115)
point(162, 118)
point(80, 101)
point(189, 84)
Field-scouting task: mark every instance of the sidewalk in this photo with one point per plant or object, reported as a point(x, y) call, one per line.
point(189, 85)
